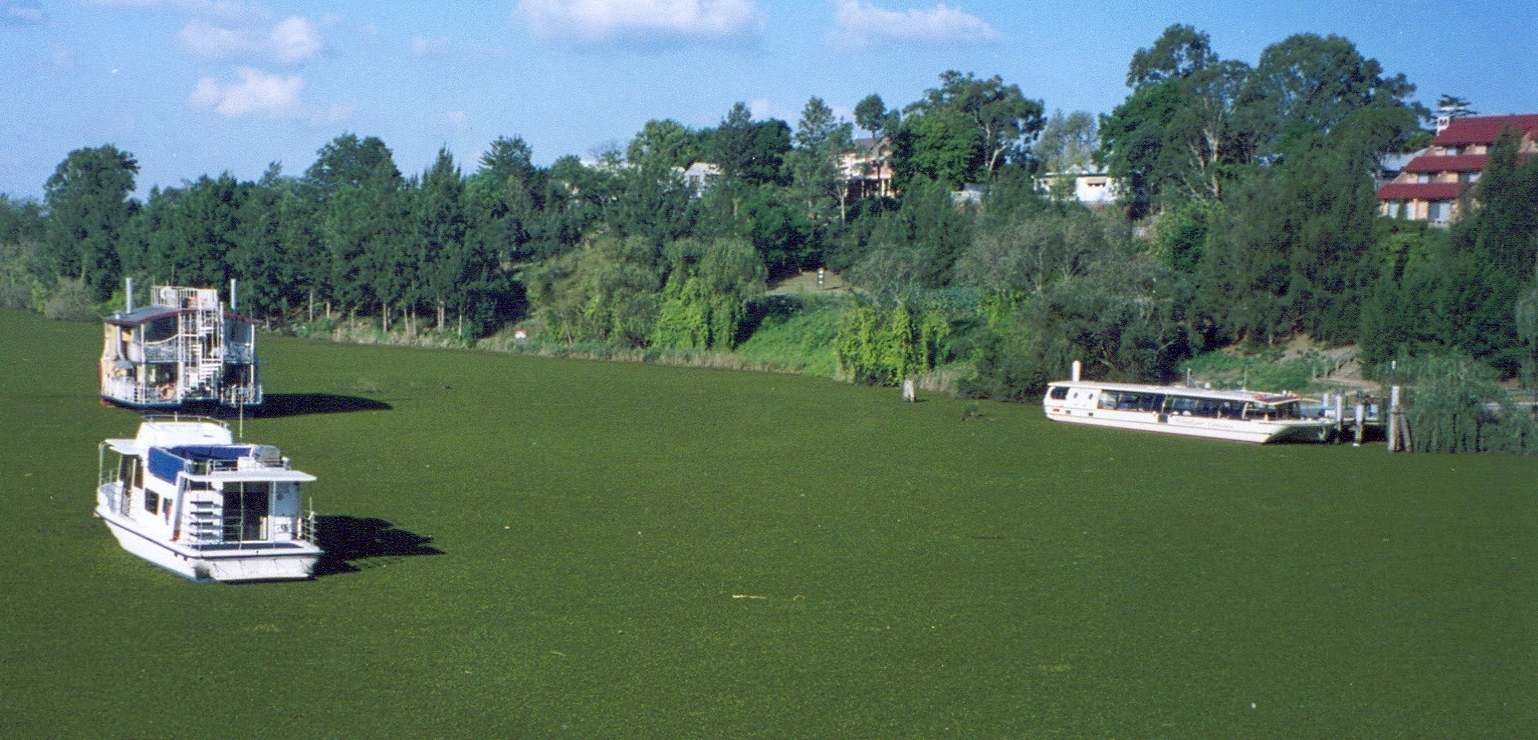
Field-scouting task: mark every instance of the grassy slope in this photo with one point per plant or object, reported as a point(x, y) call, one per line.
point(923, 575)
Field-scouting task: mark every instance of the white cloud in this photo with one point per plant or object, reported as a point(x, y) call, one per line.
point(863, 24)
point(295, 39)
point(598, 21)
point(422, 46)
point(292, 40)
point(458, 119)
point(21, 12)
point(256, 94)
point(208, 41)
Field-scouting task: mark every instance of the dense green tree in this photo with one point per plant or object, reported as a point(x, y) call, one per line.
point(1065, 141)
point(1179, 52)
point(821, 141)
point(1491, 254)
point(1177, 137)
point(193, 244)
point(1006, 121)
point(363, 230)
point(447, 267)
point(22, 226)
point(928, 233)
point(89, 205)
point(504, 199)
point(652, 201)
point(666, 143)
point(270, 278)
point(965, 129)
point(750, 151)
point(707, 292)
point(886, 342)
point(348, 161)
point(606, 290)
point(1307, 84)
point(772, 219)
point(940, 146)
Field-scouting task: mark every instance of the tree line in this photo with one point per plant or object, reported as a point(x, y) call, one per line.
point(1247, 215)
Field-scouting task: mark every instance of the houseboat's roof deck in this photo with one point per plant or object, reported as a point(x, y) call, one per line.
point(140, 315)
point(174, 431)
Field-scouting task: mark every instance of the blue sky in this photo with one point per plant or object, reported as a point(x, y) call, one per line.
point(194, 87)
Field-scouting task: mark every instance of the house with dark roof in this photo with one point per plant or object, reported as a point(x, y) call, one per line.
point(1432, 185)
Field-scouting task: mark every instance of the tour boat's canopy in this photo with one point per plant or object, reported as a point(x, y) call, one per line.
point(1267, 399)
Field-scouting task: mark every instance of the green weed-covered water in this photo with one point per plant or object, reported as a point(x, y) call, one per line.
point(639, 551)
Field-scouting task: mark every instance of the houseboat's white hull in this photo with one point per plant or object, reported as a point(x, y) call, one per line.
point(248, 561)
point(1239, 430)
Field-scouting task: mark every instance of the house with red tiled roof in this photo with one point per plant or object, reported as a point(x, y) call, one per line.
point(1432, 185)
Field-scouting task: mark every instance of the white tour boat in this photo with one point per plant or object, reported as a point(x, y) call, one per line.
point(1243, 416)
point(184, 496)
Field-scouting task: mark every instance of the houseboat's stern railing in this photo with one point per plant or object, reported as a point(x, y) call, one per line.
point(307, 528)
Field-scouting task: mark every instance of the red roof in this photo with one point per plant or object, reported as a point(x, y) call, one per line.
point(1483, 129)
point(1421, 191)
point(1459, 163)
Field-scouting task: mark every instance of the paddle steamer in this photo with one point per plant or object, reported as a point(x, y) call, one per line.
point(184, 348)
point(184, 496)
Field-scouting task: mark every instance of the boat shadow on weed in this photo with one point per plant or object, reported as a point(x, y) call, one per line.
point(277, 405)
point(352, 544)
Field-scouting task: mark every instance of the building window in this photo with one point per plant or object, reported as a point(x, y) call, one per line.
point(1439, 211)
point(1423, 177)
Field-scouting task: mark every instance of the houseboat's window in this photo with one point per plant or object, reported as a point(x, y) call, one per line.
point(1059, 392)
point(151, 502)
point(128, 471)
point(160, 329)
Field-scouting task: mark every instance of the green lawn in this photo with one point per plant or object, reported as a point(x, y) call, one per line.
point(920, 575)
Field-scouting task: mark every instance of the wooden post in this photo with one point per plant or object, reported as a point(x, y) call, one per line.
point(1340, 414)
point(1393, 419)
point(1361, 419)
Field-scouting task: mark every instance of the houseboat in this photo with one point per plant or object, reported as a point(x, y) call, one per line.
point(184, 496)
point(184, 348)
point(1239, 415)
